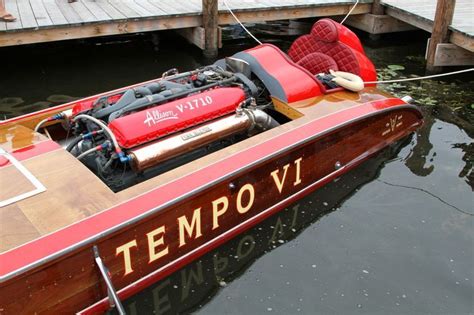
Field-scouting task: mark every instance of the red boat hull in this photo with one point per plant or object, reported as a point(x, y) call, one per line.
point(148, 237)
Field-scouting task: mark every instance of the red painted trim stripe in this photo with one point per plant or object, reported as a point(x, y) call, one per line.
point(31, 151)
point(53, 243)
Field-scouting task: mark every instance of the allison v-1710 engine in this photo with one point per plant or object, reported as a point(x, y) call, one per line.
point(133, 135)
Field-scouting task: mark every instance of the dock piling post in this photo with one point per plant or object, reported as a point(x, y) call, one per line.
point(440, 34)
point(377, 8)
point(210, 21)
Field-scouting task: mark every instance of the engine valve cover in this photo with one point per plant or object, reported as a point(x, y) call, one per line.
point(162, 120)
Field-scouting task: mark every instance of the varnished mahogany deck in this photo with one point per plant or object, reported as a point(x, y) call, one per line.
point(74, 193)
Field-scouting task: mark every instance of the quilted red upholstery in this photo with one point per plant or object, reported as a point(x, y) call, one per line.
point(336, 41)
point(301, 47)
point(317, 63)
point(330, 31)
point(325, 30)
point(343, 55)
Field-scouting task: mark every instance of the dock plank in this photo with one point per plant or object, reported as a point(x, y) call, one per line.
point(137, 8)
point(57, 17)
point(82, 19)
point(12, 7)
point(84, 13)
point(28, 19)
point(96, 10)
point(71, 15)
point(41, 15)
point(463, 14)
point(164, 6)
point(192, 5)
point(124, 9)
point(180, 7)
point(154, 10)
point(109, 9)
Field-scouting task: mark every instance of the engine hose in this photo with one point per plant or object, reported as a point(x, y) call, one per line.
point(84, 154)
point(73, 143)
point(78, 139)
point(60, 116)
point(109, 162)
point(103, 146)
point(38, 126)
point(106, 129)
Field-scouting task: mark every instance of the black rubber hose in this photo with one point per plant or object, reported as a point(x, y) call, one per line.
point(73, 143)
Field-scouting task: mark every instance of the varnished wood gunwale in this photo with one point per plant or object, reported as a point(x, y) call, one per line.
point(83, 285)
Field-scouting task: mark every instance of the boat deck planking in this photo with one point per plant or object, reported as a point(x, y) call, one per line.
point(79, 193)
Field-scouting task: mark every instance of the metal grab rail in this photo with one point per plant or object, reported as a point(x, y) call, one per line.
point(114, 300)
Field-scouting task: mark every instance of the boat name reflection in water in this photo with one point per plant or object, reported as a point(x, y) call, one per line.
point(183, 290)
point(191, 228)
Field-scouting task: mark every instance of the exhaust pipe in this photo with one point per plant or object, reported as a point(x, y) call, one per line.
point(151, 154)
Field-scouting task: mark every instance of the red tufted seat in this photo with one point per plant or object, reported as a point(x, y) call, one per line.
point(318, 62)
point(339, 44)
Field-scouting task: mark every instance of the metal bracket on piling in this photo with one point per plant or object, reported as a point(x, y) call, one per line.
point(113, 297)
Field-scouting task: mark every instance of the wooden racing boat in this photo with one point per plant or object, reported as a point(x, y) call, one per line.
point(103, 196)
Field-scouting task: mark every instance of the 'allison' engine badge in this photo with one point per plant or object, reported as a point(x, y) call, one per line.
point(156, 122)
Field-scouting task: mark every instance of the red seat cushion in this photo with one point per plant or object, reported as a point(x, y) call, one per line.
point(318, 62)
point(301, 47)
point(336, 41)
point(330, 31)
point(325, 30)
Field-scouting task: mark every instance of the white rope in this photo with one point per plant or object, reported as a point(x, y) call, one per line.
point(420, 78)
point(242, 25)
point(350, 11)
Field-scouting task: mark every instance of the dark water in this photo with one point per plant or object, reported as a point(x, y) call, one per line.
point(394, 236)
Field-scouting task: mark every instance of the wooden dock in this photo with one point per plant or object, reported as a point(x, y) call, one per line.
point(421, 13)
point(41, 21)
point(450, 23)
point(53, 20)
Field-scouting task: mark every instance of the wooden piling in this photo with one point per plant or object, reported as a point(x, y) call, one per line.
point(210, 21)
point(377, 8)
point(440, 34)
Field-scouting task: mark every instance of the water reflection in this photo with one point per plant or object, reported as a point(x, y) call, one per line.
point(467, 171)
point(191, 287)
point(14, 106)
point(421, 158)
point(388, 249)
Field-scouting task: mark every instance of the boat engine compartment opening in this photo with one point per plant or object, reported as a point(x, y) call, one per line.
point(141, 132)
point(130, 135)
point(98, 151)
